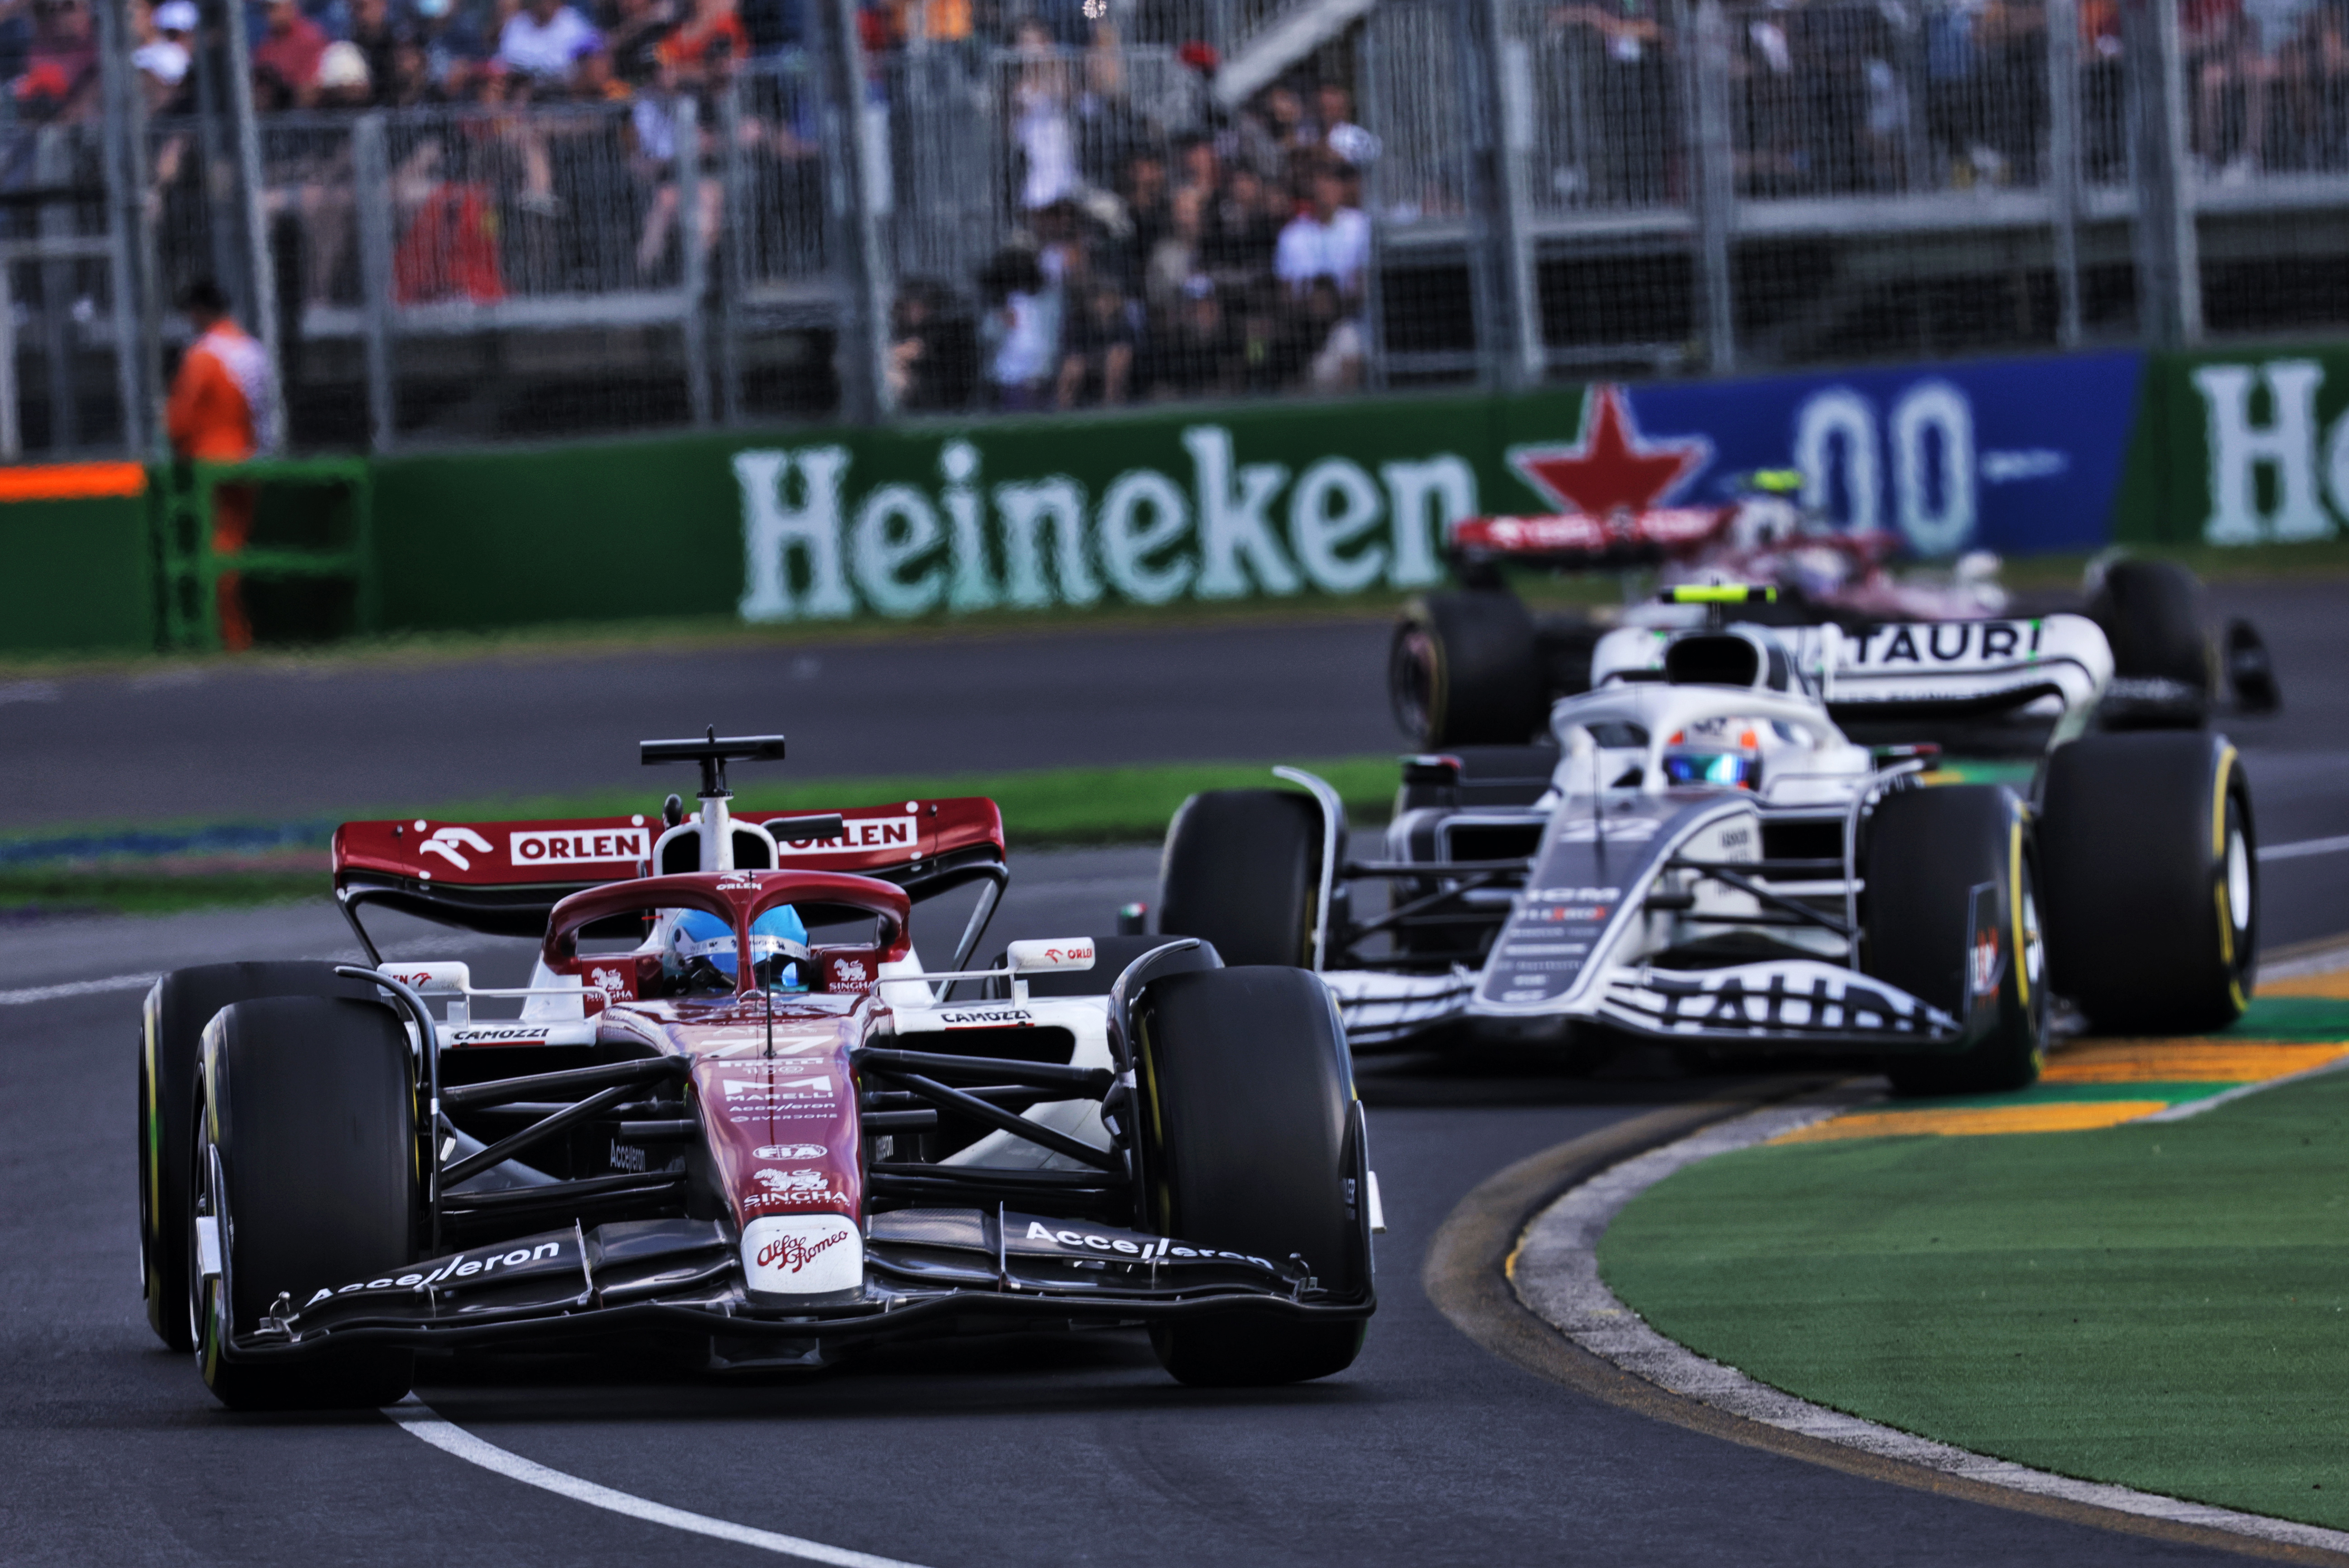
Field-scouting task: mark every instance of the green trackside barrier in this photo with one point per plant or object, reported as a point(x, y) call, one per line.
point(308, 566)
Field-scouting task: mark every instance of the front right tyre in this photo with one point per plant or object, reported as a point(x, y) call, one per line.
point(2152, 868)
point(305, 1174)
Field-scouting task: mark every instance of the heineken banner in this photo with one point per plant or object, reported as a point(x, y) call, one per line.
point(2240, 449)
point(1194, 505)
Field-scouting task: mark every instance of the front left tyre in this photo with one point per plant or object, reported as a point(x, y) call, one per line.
point(305, 1176)
point(1250, 1139)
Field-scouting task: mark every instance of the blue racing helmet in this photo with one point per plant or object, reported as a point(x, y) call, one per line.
point(778, 946)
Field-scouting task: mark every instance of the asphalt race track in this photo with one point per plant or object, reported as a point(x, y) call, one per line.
point(997, 1451)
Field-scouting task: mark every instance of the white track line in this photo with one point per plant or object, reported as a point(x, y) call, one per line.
point(1554, 1272)
point(77, 987)
point(2305, 847)
point(420, 1421)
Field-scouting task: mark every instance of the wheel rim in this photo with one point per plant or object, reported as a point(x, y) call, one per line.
point(1410, 682)
point(200, 1205)
point(2239, 881)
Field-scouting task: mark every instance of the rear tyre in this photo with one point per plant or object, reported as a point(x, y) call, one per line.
point(306, 1163)
point(170, 1047)
point(2151, 613)
point(1242, 868)
point(1467, 669)
point(1276, 1170)
point(2250, 671)
point(2152, 868)
point(1928, 853)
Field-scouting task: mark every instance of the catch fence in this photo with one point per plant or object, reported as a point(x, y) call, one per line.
point(1081, 208)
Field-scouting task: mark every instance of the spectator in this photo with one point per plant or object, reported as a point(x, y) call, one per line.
point(636, 35)
point(933, 352)
point(378, 39)
point(704, 49)
point(63, 60)
point(16, 37)
point(162, 57)
point(219, 413)
point(779, 27)
point(593, 80)
point(453, 45)
point(1240, 234)
point(653, 131)
point(1329, 239)
point(1196, 355)
point(1334, 338)
point(285, 60)
point(1340, 136)
point(1176, 259)
point(1041, 124)
point(544, 39)
point(1023, 330)
point(1097, 365)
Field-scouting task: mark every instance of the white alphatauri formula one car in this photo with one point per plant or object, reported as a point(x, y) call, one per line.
point(1706, 858)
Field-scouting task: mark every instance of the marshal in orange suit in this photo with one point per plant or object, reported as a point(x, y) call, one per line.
point(219, 413)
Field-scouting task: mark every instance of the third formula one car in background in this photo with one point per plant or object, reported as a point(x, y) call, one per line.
point(1475, 666)
point(1706, 857)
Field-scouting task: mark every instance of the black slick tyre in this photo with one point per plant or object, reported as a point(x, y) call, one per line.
point(170, 1045)
point(1466, 667)
point(2163, 660)
point(1275, 1171)
point(1951, 902)
point(1242, 868)
point(2152, 872)
point(306, 1167)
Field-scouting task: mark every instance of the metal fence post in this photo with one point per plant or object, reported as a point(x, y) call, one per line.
point(2063, 163)
point(693, 269)
point(1524, 359)
point(371, 168)
point(128, 253)
point(734, 213)
point(52, 167)
point(1712, 155)
point(863, 344)
point(2168, 254)
point(12, 429)
point(261, 268)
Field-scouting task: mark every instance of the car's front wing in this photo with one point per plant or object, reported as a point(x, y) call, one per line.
point(926, 1271)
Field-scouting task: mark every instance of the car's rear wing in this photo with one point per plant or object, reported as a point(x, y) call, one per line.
point(1918, 670)
point(504, 877)
point(1574, 540)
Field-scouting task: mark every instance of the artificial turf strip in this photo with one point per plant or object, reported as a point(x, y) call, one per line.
point(2161, 1306)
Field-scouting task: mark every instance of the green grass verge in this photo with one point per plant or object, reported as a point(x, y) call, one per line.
point(2162, 1306)
point(122, 889)
point(1042, 809)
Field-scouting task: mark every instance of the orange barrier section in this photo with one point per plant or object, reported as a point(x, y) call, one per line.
point(72, 482)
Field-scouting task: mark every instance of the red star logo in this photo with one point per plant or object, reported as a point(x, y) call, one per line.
point(1611, 468)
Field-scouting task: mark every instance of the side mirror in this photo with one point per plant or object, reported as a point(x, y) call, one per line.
point(1025, 958)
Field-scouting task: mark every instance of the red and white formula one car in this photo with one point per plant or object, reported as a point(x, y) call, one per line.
point(1474, 666)
point(735, 1116)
